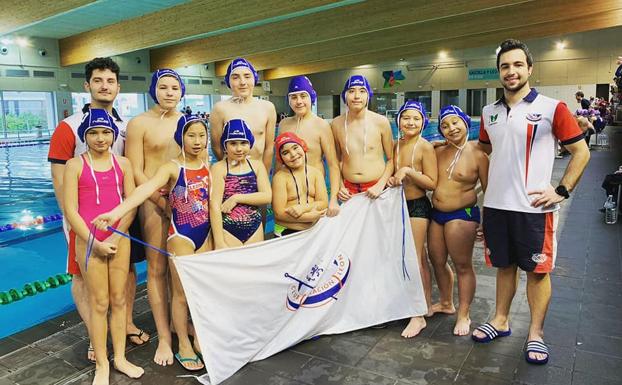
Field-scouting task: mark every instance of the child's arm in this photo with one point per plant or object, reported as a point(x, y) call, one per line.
point(70, 197)
point(215, 205)
point(136, 198)
point(128, 188)
point(327, 142)
point(261, 197)
point(319, 206)
point(279, 197)
point(426, 179)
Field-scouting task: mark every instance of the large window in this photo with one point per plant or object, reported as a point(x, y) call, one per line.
point(198, 103)
point(449, 97)
point(27, 115)
point(382, 103)
point(128, 105)
point(476, 100)
point(423, 97)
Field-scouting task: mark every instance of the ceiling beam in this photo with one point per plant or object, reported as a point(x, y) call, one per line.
point(596, 21)
point(177, 23)
point(437, 29)
point(355, 19)
point(19, 14)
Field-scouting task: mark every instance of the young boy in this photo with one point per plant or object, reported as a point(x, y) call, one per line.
point(299, 195)
point(455, 216)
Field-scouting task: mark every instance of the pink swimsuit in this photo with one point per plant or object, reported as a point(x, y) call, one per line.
point(99, 196)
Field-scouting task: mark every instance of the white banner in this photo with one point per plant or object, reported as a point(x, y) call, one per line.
point(346, 273)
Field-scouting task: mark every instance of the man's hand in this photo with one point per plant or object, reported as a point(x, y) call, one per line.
point(547, 197)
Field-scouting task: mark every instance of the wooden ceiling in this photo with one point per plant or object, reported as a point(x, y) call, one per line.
point(19, 14)
point(286, 38)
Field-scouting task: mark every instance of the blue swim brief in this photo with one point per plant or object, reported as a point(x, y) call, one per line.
point(465, 214)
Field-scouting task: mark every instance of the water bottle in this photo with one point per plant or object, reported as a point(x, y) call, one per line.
point(611, 211)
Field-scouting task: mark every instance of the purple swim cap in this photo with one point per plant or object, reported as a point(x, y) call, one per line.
point(237, 63)
point(354, 81)
point(157, 75)
point(302, 84)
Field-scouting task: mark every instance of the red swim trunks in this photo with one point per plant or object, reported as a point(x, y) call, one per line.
point(356, 188)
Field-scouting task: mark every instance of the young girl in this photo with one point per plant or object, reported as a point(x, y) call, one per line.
point(299, 196)
point(188, 179)
point(415, 165)
point(240, 185)
point(95, 182)
point(455, 216)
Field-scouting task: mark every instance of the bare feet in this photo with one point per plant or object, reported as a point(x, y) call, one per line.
point(414, 327)
point(463, 326)
point(135, 335)
point(102, 375)
point(164, 354)
point(129, 369)
point(90, 354)
point(441, 308)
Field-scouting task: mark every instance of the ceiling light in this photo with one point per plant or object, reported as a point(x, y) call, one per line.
point(560, 45)
point(6, 41)
point(21, 41)
point(442, 54)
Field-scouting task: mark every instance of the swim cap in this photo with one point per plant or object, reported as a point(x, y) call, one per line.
point(288, 137)
point(157, 75)
point(302, 84)
point(416, 106)
point(96, 117)
point(237, 63)
point(582, 112)
point(236, 129)
point(357, 80)
point(183, 122)
point(453, 110)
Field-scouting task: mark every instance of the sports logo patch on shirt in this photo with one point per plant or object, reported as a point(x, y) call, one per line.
point(538, 257)
point(493, 119)
point(534, 117)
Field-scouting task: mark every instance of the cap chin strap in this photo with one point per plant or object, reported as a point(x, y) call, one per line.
point(116, 176)
point(453, 163)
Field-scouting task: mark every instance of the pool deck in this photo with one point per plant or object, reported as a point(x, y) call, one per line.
point(583, 326)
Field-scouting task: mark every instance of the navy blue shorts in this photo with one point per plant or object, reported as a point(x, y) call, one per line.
point(523, 239)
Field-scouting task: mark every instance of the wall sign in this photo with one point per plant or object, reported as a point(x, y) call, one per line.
point(490, 73)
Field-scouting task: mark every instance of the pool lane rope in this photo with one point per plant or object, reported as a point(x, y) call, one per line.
point(36, 287)
point(38, 220)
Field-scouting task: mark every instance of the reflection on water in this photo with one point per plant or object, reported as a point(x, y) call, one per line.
point(25, 185)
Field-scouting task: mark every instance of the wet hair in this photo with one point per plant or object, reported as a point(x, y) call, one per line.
point(512, 44)
point(579, 93)
point(101, 63)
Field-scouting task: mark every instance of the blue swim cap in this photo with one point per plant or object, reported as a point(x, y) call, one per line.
point(237, 63)
point(97, 117)
point(357, 80)
point(453, 110)
point(157, 75)
point(183, 122)
point(416, 106)
point(236, 129)
point(302, 84)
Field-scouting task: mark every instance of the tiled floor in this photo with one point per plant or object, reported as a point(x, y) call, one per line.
point(583, 326)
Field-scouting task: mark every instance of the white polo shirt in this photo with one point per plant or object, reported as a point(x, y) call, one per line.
point(65, 143)
point(524, 142)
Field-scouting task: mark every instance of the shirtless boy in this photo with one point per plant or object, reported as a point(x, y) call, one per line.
point(149, 145)
point(299, 195)
point(415, 165)
point(363, 139)
point(315, 132)
point(455, 216)
point(260, 115)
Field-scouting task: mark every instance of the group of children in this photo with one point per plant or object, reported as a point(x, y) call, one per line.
point(222, 205)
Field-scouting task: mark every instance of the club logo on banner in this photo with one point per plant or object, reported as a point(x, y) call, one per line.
point(315, 291)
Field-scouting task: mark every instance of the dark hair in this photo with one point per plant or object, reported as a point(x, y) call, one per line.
point(512, 44)
point(101, 63)
point(579, 93)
